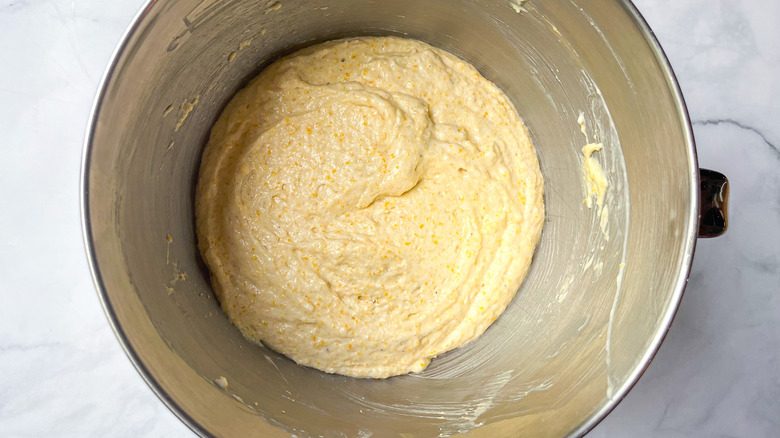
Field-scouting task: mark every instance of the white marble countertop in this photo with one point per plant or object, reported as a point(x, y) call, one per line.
point(64, 373)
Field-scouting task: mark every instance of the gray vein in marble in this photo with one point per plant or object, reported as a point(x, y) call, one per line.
point(716, 122)
point(5, 348)
point(18, 5)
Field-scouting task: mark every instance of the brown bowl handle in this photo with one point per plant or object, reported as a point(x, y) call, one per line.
point(713, 211)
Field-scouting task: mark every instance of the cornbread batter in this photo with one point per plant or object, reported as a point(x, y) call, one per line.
point(365, 205)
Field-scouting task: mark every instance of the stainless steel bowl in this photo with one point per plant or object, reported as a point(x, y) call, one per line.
point(585, 323)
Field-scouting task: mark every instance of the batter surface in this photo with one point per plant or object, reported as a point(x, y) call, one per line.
point(365, 205)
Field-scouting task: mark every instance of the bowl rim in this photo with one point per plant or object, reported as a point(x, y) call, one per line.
point(689, 243)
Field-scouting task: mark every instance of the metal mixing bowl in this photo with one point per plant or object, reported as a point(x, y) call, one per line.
point(582, 328)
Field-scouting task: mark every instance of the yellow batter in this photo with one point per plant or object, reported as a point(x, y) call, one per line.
point(365, 205)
